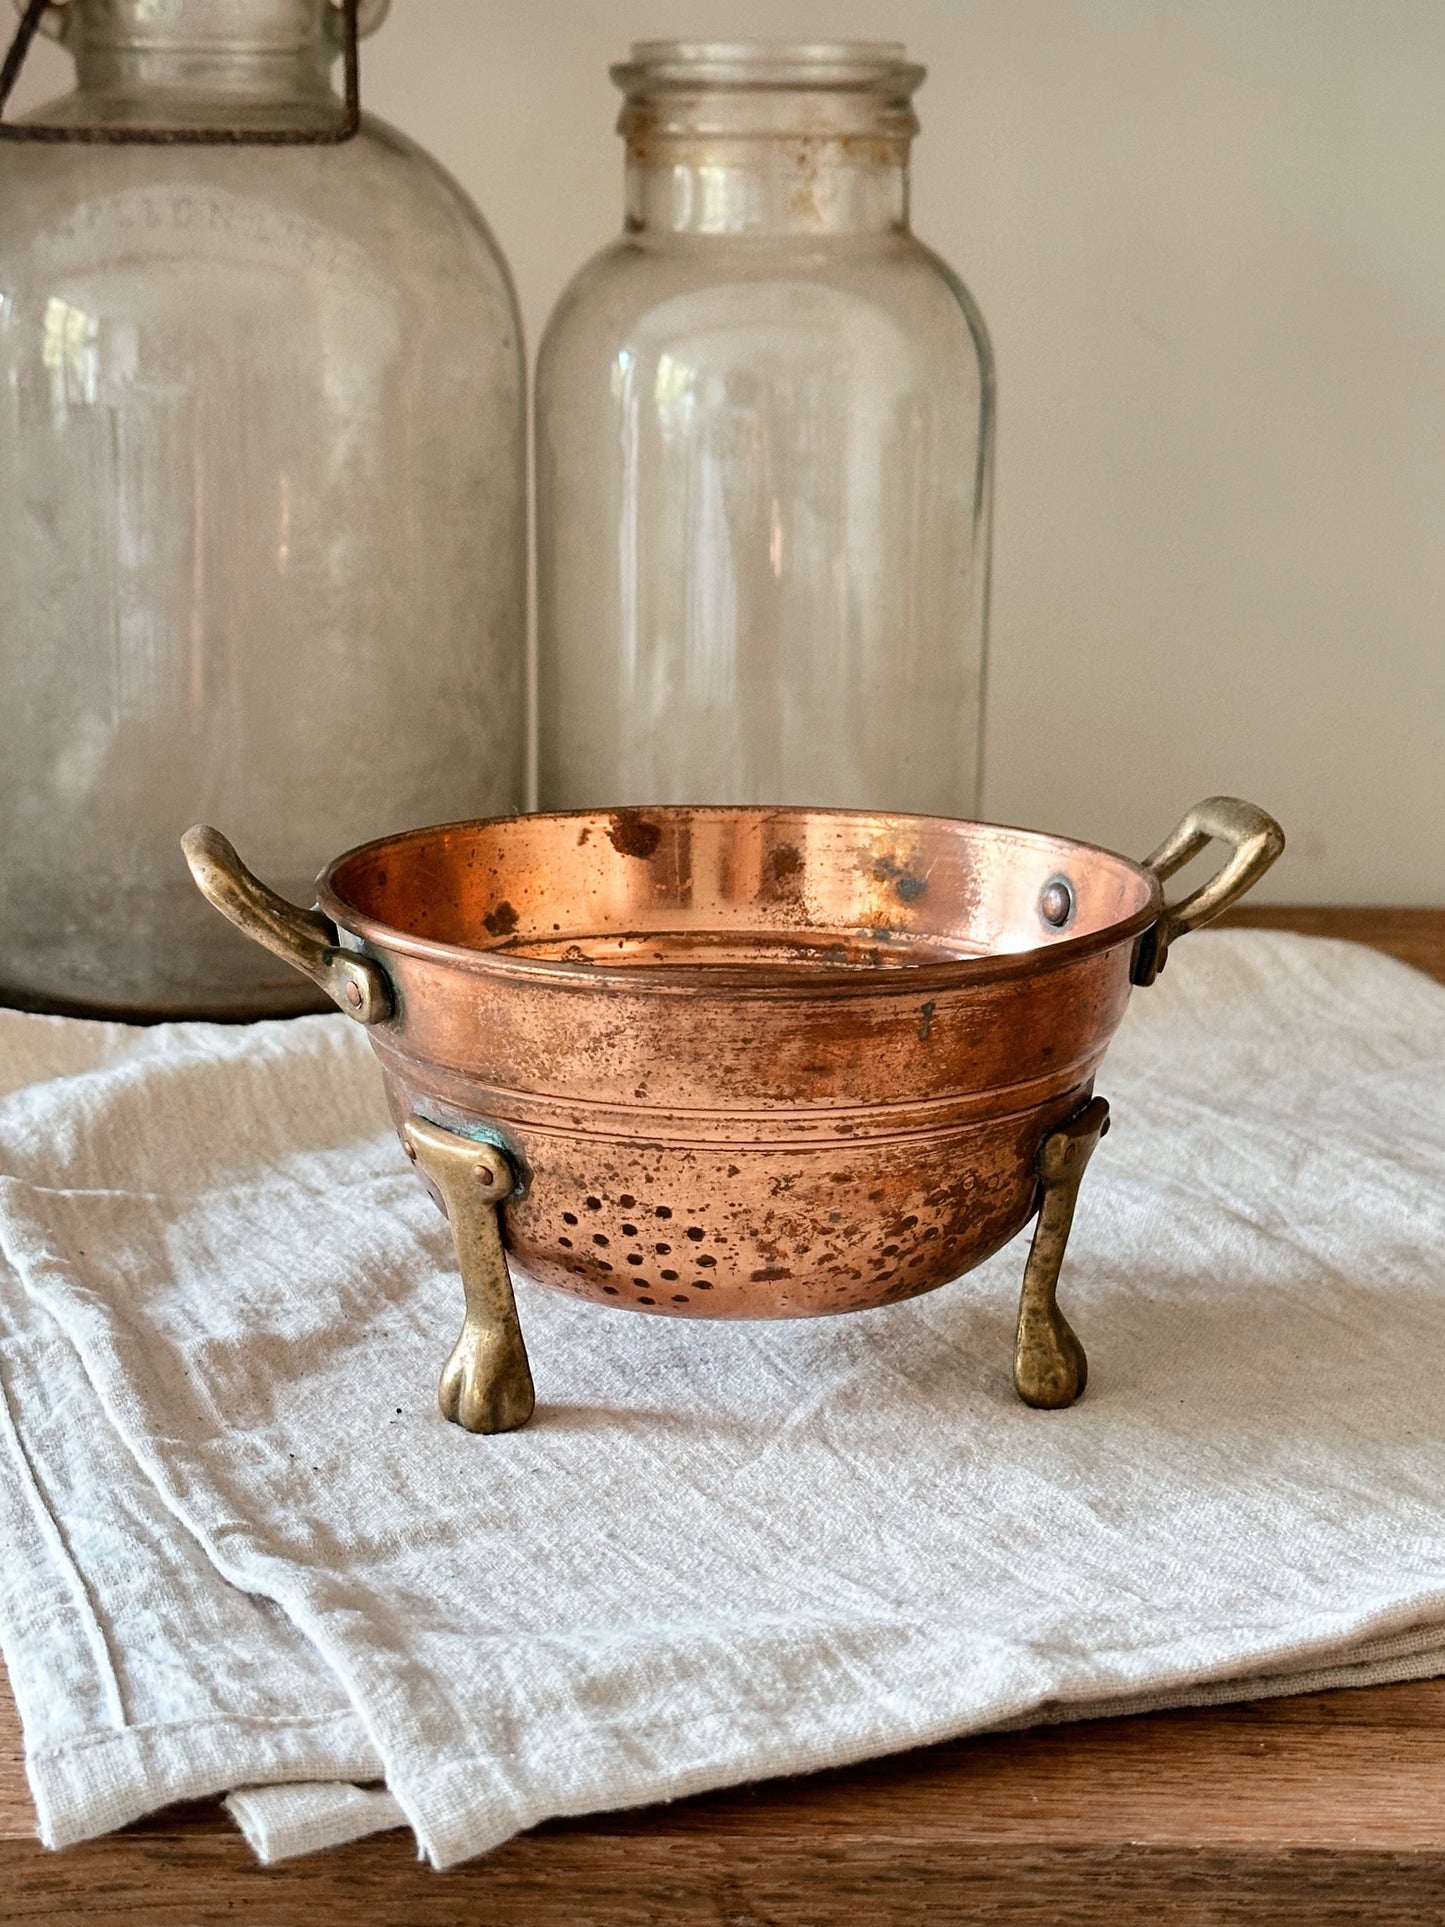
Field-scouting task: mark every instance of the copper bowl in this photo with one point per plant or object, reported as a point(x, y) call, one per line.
point(740, 1063)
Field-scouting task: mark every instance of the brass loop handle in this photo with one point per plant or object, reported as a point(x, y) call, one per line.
point(1255, 839)
point(302, 938)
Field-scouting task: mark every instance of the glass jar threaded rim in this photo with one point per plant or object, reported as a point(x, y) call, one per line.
point(768, 88)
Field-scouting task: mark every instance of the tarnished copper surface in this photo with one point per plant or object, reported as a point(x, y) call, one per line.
point(751, 1063)
point(741, 1063)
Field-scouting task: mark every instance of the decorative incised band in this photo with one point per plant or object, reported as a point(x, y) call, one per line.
point(783, 1124)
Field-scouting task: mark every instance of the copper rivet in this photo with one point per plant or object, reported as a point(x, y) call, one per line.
point(485, 1174)
point(1056, 902)
point(353, 995)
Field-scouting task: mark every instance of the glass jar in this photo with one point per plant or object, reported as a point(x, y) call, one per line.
point(764, 443)
point(262, 483)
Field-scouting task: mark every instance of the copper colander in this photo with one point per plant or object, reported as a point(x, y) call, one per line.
point(741, 1063)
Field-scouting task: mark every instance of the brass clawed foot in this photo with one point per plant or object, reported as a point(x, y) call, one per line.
point(486, 1385)
point(1050, 1369)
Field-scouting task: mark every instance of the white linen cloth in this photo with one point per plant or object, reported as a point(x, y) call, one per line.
point(242, 1549)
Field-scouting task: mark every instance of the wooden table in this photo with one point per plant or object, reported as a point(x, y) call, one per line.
point(1328, 1809)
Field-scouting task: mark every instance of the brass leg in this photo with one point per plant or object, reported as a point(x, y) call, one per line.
point(486, 1385)
point(1050, 1368)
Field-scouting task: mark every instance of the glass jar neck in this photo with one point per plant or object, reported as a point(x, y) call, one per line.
point(784, 187)
point(136, 59)
point(755, 138)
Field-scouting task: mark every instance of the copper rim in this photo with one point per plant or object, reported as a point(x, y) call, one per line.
point(761, 979)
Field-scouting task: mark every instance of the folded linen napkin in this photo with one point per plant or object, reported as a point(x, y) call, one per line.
point(242, 1548)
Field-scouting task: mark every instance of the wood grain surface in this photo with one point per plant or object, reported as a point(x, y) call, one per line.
point(1416, 937)
point(1326, 1809)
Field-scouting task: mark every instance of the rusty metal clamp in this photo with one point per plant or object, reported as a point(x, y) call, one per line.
point(344, 129)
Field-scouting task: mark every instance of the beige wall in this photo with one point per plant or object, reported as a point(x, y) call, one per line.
point(1209, 238)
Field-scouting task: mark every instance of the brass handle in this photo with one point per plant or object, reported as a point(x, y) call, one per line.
point(1256, 841)
point(302, 938)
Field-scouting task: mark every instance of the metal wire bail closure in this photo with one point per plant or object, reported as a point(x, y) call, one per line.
point(346, 126)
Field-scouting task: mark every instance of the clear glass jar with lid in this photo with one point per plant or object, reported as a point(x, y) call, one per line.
point(764, 430)
point(262, 482)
